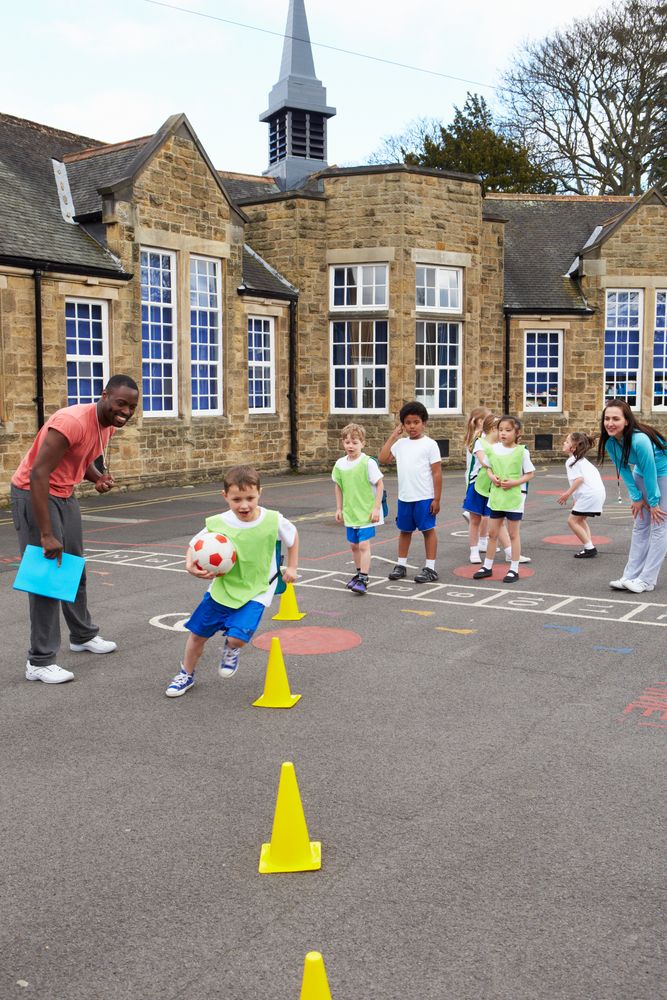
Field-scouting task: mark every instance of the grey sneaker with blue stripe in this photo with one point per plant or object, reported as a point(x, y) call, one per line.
point(181, 683)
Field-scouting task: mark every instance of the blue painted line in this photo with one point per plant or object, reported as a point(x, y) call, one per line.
point(572, 629)
point(611, 649)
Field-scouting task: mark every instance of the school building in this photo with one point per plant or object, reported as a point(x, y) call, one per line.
point(260, 313)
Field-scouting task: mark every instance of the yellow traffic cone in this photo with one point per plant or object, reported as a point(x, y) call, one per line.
point(288, 610)
point(290, 849)
point(277, 693)
point(314, 985)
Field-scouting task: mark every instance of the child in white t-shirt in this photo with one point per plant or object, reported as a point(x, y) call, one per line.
point(419, 468)
point(586, 489)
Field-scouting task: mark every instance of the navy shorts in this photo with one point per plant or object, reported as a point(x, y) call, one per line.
point(414, 515)
point(511, 515)
point(356, 535)
point(210, 617)
point(475, 503)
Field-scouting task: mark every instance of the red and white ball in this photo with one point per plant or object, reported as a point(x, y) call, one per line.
point(213, 553)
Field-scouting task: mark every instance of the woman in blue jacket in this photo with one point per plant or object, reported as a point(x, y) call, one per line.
point(631, 443)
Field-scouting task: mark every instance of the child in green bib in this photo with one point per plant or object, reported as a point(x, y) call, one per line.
point(509, 469)
point(235, 602)
point(359, 485)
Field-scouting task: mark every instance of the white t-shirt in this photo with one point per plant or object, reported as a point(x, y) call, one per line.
point(286, 534)
point(413, 464)
point(526, 466)
point(374, 477)
point(588, 498)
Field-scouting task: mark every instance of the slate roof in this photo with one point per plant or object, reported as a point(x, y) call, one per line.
point(259, 278)
point(248, 186)
point(32, 228)
point(98, 167)
point(543, 235)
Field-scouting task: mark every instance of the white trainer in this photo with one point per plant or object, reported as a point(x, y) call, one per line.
point(522, 559)
point(620, 584)
point(95, 645)
point(53, 674)
point(638, 586)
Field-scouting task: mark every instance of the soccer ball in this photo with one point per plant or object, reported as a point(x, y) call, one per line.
point(213, 553)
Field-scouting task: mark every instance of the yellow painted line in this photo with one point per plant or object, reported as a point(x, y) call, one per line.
point(456, 631)
point(424, 614)
point(314, 517)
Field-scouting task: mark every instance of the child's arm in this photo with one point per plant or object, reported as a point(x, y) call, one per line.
point(385, 455)
point(564, 497)
point(436, 470)
point(289, 571)
point(377, 507)
point(191, 568)
point(339, 503)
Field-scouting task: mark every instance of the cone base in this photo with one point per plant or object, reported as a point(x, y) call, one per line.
point(264, 702)
point(311, 864)
point(289, 618)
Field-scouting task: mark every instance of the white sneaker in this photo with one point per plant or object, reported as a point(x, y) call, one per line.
point(53, 674)
point(95, 645)
point(475, 559)
point(465, 515)
point(620, 584)
point(638, 586)
point(522, 559)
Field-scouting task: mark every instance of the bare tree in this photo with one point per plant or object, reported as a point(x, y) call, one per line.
point(590, 102)
point(394, 148)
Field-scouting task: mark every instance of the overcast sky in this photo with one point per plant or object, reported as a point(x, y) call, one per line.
point(117, 69)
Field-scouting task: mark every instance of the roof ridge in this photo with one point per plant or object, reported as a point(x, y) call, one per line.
point(47, 129)
point(84, 154)
point(528, 196)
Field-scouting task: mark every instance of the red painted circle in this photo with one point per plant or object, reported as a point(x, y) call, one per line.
point(571, 540)
point(499, 570)
point(309, 639)
point(549, 493)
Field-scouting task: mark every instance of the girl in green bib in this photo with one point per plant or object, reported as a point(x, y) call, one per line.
point(509, 469)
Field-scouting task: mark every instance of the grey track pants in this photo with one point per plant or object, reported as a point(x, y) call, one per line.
point(44, 611)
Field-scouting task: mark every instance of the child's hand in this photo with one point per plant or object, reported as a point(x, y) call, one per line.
point(339, 516)
point(508, 484)
point(288, 573)
point(494, 479)
point(397, 431)
point(195, 570)
point(563, 498)
point(375, 516)
point(435, 507)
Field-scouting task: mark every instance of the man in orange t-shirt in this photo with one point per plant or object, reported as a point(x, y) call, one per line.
point(46, 513)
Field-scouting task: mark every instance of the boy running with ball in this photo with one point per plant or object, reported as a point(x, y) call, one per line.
point(235, 602)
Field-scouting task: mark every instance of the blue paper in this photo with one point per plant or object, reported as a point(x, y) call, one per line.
point(39, 575)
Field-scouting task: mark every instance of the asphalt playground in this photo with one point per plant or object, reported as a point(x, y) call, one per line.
point(484, 765)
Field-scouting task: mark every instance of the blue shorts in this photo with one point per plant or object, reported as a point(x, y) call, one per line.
point(356, 535)
point(210, 617)
point(475, 503)
point(414, 515)
point(511, 515)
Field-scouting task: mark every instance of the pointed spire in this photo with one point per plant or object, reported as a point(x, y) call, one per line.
point(298, 109)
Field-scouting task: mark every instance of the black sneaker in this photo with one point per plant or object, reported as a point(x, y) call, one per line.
point(586, 554)
point(482, 574)
point(426, 575)
point(398, 572)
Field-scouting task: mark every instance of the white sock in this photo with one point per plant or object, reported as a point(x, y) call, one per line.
point(488, 564)
point(474, 551)
point(402, 560)
point(589, 545)
point(514, 566)
point(508, 552)
point(483, 541)
point(429, 563)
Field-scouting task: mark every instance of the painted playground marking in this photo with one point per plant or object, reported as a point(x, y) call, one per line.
point(652, 705)
point(464, 595)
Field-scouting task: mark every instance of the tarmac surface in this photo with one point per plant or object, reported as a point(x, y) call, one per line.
point(483, 763)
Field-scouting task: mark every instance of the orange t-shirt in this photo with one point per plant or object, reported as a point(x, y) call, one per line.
point(86, 441)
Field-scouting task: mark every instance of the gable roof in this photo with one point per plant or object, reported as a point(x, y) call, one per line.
point(248, 186)
point(260, 279)
point(33, 231)
point(90, 169)
point(543, 233)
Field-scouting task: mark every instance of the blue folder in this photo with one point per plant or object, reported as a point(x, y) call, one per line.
point(39, 575)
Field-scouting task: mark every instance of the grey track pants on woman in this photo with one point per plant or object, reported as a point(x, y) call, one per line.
point(649, 540)
point(44, 611)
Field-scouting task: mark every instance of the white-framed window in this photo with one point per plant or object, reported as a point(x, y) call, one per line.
point(261, 365)
point(438, 366)
point(438, 289)
point(359, 365)
point(543, 367)
point(359, 286)
point(158, 333)
point(660, 351)
point(205, 336)
point(622, 345)
point(86, 349)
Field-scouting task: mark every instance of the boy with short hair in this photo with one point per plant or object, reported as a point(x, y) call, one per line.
point(419, 468)
point(235, 602)
point(359, 487)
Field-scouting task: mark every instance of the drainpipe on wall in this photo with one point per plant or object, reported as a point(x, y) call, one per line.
point(39, 360)
point(506, 376)
point(293, 455)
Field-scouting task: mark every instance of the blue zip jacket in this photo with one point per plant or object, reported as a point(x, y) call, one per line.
point(649, 462)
